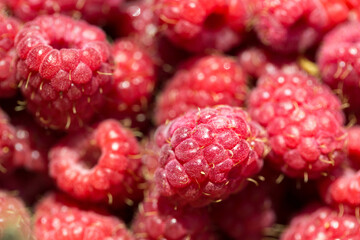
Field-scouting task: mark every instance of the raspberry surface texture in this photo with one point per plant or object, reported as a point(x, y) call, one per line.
point(7, 142)
point(201, 25)
point(296, 25)
point(58, 217)
point(9, 27)
point(208, 154)
point(339, 65)
point(304, 121)
point(158, 218)
point(322, 223)
point(100, 165)
point(204, 82)
point(15, 221)
point(63, 70)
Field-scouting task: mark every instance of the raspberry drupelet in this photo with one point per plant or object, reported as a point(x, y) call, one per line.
point(339, 65)
point(99, 165)
point(201, 25)
point(304, 121)
point(15, 221)
point(157, 218)
point(322, 223)
point(208, 154)
point(296, 25)
point(203, 82)
point(9, 27)
point(63, 70)
point(57, 217)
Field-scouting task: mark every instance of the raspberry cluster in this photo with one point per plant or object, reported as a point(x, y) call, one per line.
point(179, 119)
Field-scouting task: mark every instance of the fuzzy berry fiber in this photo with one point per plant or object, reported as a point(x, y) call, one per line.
point(63, 70)
point(15, 221)
point(322, 223)
point(339, 65)
point(200, 25)
point(9, 27)
point(207, 154)
point(203, 82)
point(304, 121)
point(60, 218)
point(295, 26)
point(158, 218)
point(100, 165)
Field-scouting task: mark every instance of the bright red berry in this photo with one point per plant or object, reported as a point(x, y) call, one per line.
point(207, 154)
point(15, 221)
point(203, 82)
point(58, 217)
point(98, 165)
point(304, 121)
point(200, 25)
point(63, 70)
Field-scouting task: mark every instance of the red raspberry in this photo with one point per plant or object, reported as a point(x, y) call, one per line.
point(257, 62)
point(245, 215)
point(15, 222)
point(200, 25)
point(8, 29)
point(304, 122)
point(93, 11)
point(322, 223)
point(134, 80)
point(296, 25)
point(207, 154)
point(354, 144)
point(7, 143)
point(63, 70)
point(158, 218)
point(60, 218)
point(204, 82)
point(100, 165)
point(338, 62)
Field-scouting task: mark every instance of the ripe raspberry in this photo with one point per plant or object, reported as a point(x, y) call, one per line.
point(100, 165)
point(200, 25)
point(63, 70)
point(322, 223)
point(204, 82)
point(338, 62)
point(7, 143)
point(245, 215)
point(134, 80)
point(257, 62)
point(158, 218)
point(8, 29)
point(304, 122)
point(296, 25)
point(207, 154)
point(15, 222)
point(60, 218)
point(354, 144)
point(93, 11)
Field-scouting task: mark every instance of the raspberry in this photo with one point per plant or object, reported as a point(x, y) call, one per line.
point(100, 165)
point(7, 143)
point(322, 223)
point(245, 215)
point(158, 218)
point(304, 122)
point(200, 25)
point(208, 154)
point(134, 80)
point(296, 25)
point(15, 222)
point(93, 11)
point(8, 29)
point(63, 70)
point(257, 61)
point(204, 82)
point(354, 144)
point(60, 218)
point(338, 62)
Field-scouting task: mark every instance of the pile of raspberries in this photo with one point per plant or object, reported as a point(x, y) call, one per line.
point(179, 119)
